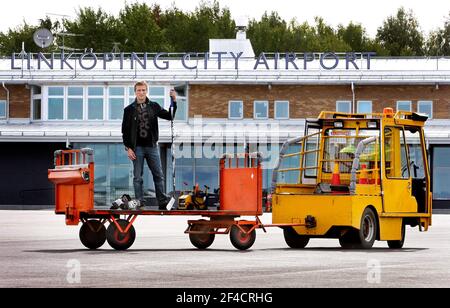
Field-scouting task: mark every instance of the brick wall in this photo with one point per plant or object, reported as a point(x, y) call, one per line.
point(19, 100)
point(211, 101)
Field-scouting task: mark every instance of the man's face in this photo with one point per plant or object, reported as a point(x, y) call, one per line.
point(141, 93)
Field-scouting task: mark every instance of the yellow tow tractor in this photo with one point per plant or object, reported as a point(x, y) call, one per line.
point(355, 177)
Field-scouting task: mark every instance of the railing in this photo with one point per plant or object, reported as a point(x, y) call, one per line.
point(329, 158)
point(303, 141)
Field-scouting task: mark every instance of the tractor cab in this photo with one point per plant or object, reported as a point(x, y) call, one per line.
point(373, 162)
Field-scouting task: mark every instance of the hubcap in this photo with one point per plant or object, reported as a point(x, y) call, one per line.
point(368, 228)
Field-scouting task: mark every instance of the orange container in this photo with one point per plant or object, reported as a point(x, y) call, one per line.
point(73, 177)
point(241, 186)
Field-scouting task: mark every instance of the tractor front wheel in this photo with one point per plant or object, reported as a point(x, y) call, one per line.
point(293, 239)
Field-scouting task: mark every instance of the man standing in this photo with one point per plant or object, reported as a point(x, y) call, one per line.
point(140, 136)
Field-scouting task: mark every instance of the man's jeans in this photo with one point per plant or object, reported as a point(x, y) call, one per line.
point(151, 155)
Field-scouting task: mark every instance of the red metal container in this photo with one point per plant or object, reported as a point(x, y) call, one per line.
point(241, 184)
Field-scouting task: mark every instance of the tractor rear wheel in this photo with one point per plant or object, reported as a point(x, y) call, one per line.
point(399, 243)
point(293, 239)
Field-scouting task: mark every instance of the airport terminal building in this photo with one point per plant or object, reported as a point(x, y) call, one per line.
point(229, 99)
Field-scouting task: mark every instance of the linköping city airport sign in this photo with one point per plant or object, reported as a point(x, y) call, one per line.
point(162, 60)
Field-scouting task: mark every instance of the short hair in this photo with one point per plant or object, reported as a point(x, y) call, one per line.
point(140, 83)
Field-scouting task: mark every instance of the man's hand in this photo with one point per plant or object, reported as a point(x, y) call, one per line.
point(131, 154)
point(173, 95)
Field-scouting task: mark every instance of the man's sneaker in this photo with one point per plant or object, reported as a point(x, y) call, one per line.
point(163, 204)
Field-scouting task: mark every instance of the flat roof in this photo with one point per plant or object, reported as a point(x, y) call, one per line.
point(382, 71)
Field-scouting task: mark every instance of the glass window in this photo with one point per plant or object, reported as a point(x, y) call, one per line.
point(156, 91)
point(55, 108)
point(396, 164)
point(95, 91)
point(261, 109)
point(36, 109)
point(56, 103)
point(182, 110)
point(416, 156)
point(75, 108)
point(281, 109)
point(344, 106)
point(75, 91)
point(403, 105)
point(131, 95)
point(95, 108)
point(95, 103)
point(2, 109)
point(425, 107)
point(441, 172)
point(364, 107)
point(235, 110)
point(116, 91)
point(56, 91)
point(116, 108)
point(207, 173)
point(75, 103)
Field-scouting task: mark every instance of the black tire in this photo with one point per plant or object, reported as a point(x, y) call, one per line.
point(368, 230)
point(349, 240)
point(398, 244)
point(293, 239)
point(204, 240)
point(365, 236)
point(118, 240)
point(241, 240)
point(92, 234)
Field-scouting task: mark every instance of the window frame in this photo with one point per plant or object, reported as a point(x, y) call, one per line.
point(404, 101)
point(254, 109)
point(6, 109)
point(275, 110)
point(242, 109)
point(421, 102)
point(401, 128)
point(364, 101)
point(349, 103)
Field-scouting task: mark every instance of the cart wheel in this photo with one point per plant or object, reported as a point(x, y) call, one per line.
point(242, 240)
point(293, 239)
point(92, 234)
point(398, 244)
point(201, 241)
point(118, 240)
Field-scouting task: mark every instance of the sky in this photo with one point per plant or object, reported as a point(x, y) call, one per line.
point(431, 13)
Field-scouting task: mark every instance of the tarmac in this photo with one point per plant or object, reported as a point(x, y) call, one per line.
point(37, 249)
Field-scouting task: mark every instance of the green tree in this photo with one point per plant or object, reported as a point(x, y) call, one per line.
point(206, 22)
point(96, 30)
point(271, 33)
point(139, 30)
point(438, 43)
point(401, 35)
